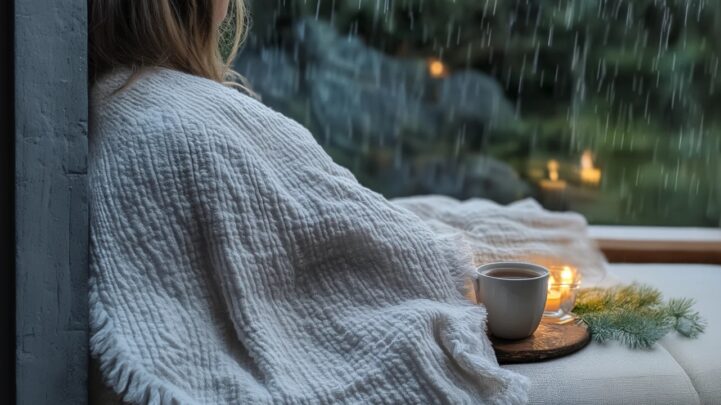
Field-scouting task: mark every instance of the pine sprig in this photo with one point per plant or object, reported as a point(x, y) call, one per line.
point(686, 321)
point(636, 315)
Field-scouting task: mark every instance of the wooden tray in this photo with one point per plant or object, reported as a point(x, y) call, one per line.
point(550, 341)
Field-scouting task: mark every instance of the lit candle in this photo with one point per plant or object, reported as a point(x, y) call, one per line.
point(553, 183)
point(567, 277)
point(562, 285)
point(553, 299)
point(590, 175)
point(553, 189)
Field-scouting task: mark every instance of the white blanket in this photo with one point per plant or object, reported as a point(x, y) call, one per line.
point(233, 262)
point(522, 231)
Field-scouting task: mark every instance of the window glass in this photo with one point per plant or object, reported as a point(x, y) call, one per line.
point(605, 107)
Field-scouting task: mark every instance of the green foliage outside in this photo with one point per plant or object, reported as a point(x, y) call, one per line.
point(636, 82)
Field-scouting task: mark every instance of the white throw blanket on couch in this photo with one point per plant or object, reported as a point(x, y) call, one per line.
point(522, 231)
point(233, 262)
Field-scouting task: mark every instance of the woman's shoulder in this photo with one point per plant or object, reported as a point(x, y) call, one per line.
point(159, 97)
point(163, 105)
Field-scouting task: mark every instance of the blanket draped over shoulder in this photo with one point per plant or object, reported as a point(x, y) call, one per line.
point(233, 262)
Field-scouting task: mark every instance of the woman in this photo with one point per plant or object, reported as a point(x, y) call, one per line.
point(233, 262)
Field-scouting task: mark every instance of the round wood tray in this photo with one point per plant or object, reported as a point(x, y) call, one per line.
point(550, 341)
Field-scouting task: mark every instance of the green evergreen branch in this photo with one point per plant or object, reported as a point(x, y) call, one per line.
point(636, 315)
point(686, 321)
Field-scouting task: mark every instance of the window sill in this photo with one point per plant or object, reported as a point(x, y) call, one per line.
point(658, 245)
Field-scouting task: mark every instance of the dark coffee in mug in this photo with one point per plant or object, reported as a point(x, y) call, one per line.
point(512, 274)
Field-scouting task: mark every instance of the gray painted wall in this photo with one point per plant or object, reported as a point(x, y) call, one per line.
point(51, 213)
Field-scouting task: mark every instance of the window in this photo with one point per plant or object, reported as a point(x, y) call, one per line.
point(605, 107)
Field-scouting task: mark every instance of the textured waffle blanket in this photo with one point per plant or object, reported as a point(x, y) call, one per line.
point(233, 262)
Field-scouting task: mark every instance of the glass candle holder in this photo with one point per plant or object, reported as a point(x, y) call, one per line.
point(563, 285)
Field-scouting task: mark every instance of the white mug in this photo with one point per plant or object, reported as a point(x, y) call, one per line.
point(514, 295)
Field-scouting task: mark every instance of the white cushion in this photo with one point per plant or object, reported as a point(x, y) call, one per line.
point(609, 374)
point(677, 371)
point(700, 358)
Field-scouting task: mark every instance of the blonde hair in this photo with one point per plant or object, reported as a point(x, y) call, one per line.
point(176, 34)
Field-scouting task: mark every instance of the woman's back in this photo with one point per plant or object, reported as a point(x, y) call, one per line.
point(233, 261)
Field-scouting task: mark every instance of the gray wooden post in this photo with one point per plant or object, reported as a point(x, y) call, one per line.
point(7, 222)
point(51, 212)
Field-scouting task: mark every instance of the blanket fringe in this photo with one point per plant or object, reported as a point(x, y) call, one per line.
point(462, 341)
point(124, 376)
point(460, 256)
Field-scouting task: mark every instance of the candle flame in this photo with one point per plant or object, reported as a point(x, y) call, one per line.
point(437, 68)
point(553, 170)
point(567, 275)
point(587, 160)
point(589, 173)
